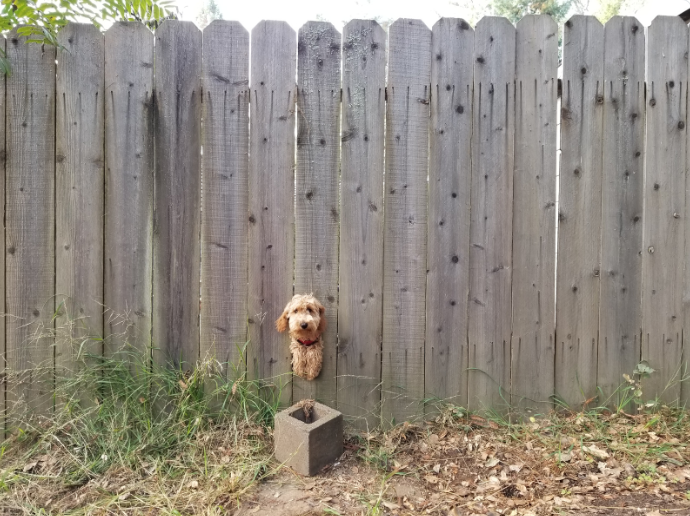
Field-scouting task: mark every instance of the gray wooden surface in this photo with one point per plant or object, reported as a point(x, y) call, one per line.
point(534, 213)
point(622, 188)
point(665, 197)
point(79, 194)
point(3, 156)
point(177, 177)
point(404, 251)
point(225, 166)
point(271, 209)
point(492, 210)
point(450, 173)
point(317, 215)
point(360, 316)
point(128, 186)
point(30, 223)
point(582, 107)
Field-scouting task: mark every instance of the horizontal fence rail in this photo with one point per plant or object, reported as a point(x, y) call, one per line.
point(172, 191)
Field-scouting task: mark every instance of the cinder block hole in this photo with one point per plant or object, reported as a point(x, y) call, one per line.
point(300, 415)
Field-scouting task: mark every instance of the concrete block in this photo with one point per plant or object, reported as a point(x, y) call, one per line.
point(308, 446)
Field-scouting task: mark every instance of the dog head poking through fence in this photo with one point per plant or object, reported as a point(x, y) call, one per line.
point(303, 316)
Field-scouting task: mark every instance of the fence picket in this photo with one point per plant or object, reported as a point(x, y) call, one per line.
point(404, 248)
point(360, 322)
point(30, 222)
point(534, 212)
point(225, 167)
point(577, 310)
point(271, 198)
point(128, 186)
point(621, 223)
point(450, 172)
point(177, 195)
point(492, 212)
point(79, 186)
point(3, 156)
point(663, 312)
point(317, 216)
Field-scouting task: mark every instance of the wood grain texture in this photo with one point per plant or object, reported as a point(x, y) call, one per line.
point(450, 173)
point(404, 250)
point(176, 267)
point(129, 155)
point(577, 310)
point(317, 215)
point(360, 308)
point(534, 213)
point(622, 188)
point(225, 168)
point(79, 199)
point(665, 206)
point(271, 202)
point(3, 158)
point(30, 223)
point(492, 211)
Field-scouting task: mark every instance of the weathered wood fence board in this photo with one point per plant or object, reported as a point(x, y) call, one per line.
point(317, 216)
point(225, 167)
point(404, 248)
point(79, 185)
point(621, 222)
point(665, 204)
point(177, 82)
point(360, 308)
point(3, 160)
point(492, 213)
point(450, 172)
point(30, 222)
point(271, 198)
point(534, 212)
point(128, 186)
point(579, 230)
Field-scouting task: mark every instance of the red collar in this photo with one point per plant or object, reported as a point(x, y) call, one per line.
point(308, 342)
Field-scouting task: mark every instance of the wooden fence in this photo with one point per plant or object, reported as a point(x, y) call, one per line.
point(409, 180)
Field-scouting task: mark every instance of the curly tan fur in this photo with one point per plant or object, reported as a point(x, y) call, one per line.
point(304, 318)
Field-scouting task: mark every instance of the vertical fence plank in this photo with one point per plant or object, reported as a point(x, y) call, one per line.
point(534, 213)
point(225, 163)
point(30, 222)
point(450, 172)
point(3, 157)
point(360, 316)
point(404, 250)
point(79, 193)
point(271, 201)
point(577, 310)
point(317, 217)
point(664, 202)
point(621, 222)
point(492, 213)
point(177, 195)
point(129, 186)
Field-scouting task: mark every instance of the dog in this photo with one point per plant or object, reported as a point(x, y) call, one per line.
point(304, 317)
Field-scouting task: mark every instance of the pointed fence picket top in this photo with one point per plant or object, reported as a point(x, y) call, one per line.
point(128, 231)
point(534, 212)
point(225, 173)
point(579, 229)
point(30, 223)
point(405, 219)
point(271, 203)
point(177, 194)
point(450, 172)
point(360, 319)
point(79, 195)
point(492, 213)
point(664, 311)
point(622, 188)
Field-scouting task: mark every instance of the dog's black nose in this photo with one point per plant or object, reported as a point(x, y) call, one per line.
point(303, 325)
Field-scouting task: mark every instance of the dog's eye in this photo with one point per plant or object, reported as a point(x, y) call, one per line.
point(309, 310)
point(295, 310)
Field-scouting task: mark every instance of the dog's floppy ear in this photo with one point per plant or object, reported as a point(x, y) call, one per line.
point(322, 321)
point(283, 320)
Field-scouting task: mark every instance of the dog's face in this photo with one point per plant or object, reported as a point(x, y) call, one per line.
point(303, 316)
